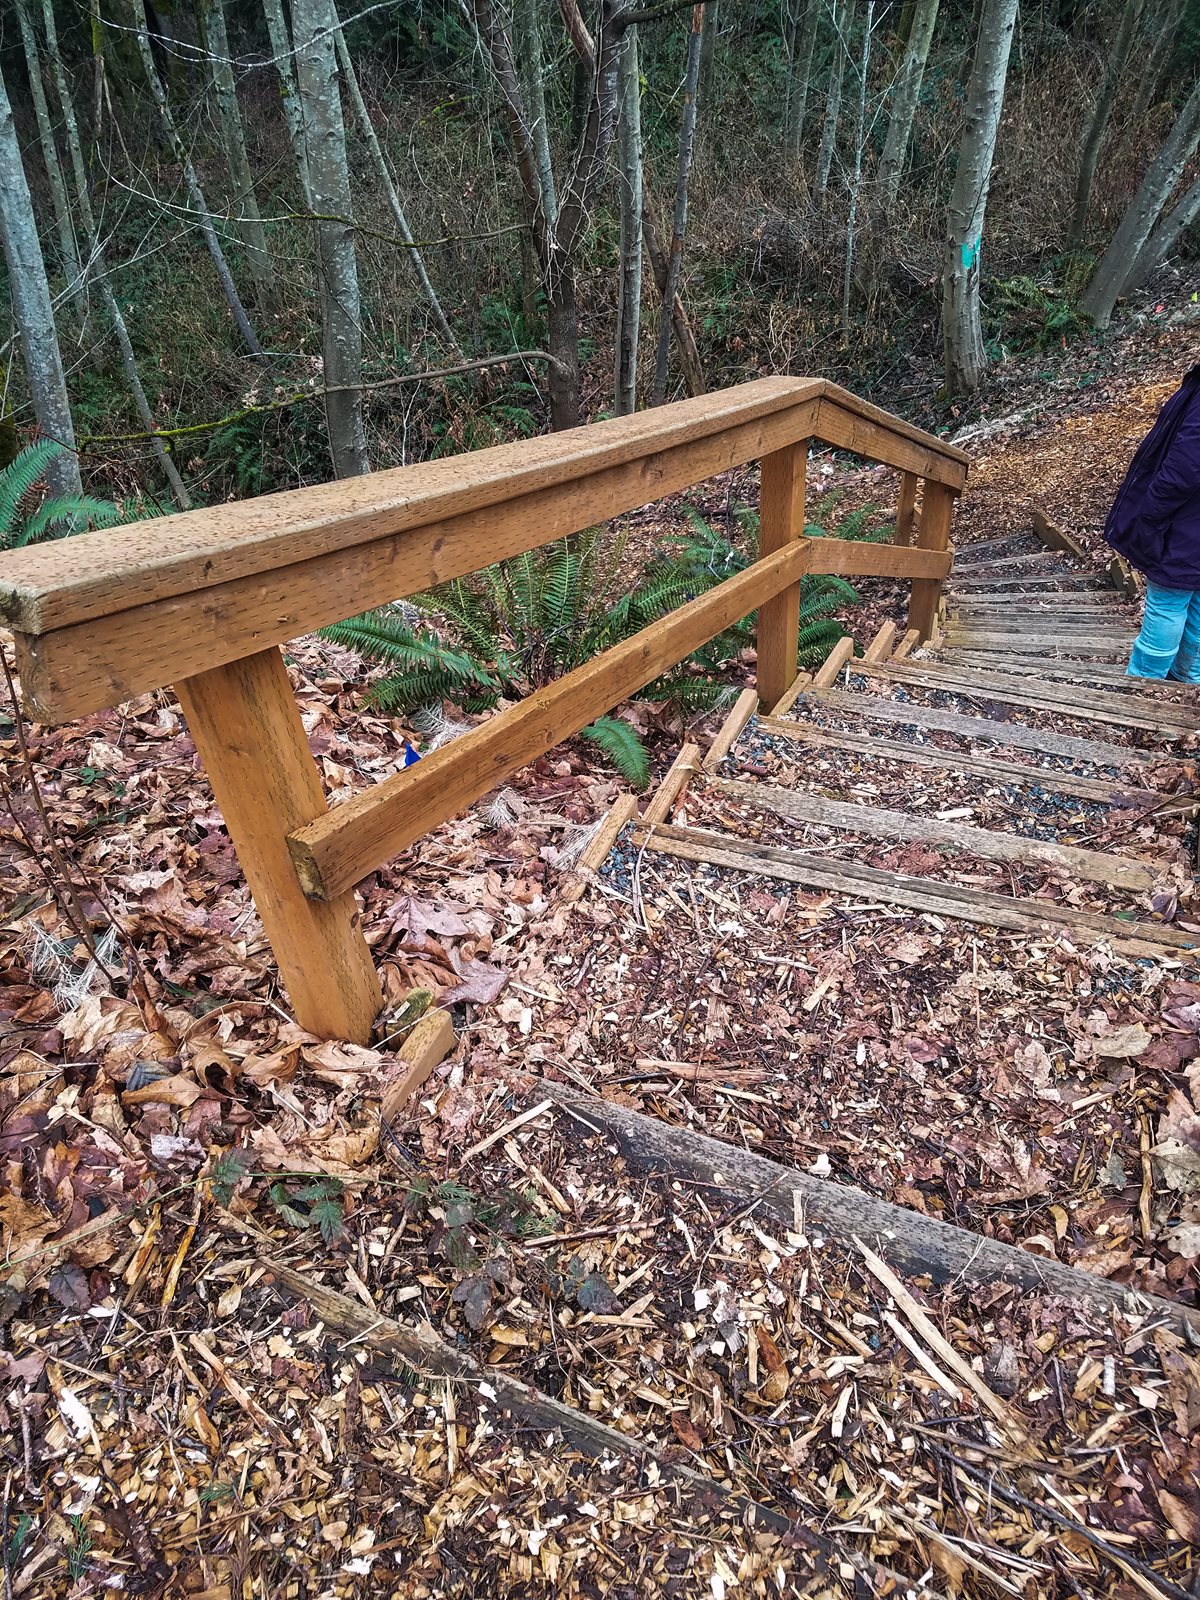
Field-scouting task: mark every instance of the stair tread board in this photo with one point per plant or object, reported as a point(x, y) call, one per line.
point(1128, 709)
point(936, 895)
point(980, 729)
point(1108, 675)
point(1001, 543)
point(882, 822)
point(991, 769)
point(1030, 561)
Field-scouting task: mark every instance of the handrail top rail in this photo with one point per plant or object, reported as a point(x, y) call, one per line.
point(52, 586)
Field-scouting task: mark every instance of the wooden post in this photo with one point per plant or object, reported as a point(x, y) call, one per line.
point(781, 520)
point(906, 508)
point(934, 534)
point(246, 725)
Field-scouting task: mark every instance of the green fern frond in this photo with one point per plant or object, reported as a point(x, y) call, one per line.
point(384, 637)
point(471, 614)
point(854, 526)
point(18, 480)
point(623, 748)
point(65, 514)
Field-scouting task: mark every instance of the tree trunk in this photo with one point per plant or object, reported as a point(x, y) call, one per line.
point(1143, 213)
point(708, 45)
point(1164, 238)
point(281, 53)
point(97, 265)
point(1165, 32)
point(907, 95)
point(860, 123)
point(32, 308)
point(1113, 72)
point(249, 222)
point(629, 294)
point(314, 25)
point(687, 139)
point(416, 260)
point(961, 331)
point(842, 13)
point(562, 341)
point(528, 35)
point(199, 205)
point(685, 339)
point(801, 32)
point(68, 252)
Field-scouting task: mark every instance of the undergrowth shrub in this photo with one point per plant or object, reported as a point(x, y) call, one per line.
point(518, 625)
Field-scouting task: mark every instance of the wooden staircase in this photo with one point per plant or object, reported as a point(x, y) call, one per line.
point(1007, 774)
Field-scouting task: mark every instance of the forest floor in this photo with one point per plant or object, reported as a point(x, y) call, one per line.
point(186, 1174)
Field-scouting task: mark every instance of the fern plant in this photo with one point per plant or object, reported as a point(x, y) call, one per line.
point(517, 626)
point(28, 515)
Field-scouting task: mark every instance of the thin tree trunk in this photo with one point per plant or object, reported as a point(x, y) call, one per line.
point(907, 94)
point(685, 339)
point(802, 37)
point(528, 37)
point(1143, 213)
point(1165, 30)
point(68, 251)
point(842, 13)
point(314, 25)
point(97, 265)
point(281, 52)
point(1114, 70)
point(33, 311)
point(249, 222)
point(860, 123)
point(961, 330)
point(367, 127)
point(1164, 238)
point(562, 341)
point(195, 194)
point(687, 139)
point(629, 296)
point(708, 45)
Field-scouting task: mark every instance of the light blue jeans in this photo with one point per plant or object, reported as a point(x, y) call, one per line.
point(1169, 644)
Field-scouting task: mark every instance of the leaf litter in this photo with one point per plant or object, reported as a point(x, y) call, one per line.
point(179, 1420)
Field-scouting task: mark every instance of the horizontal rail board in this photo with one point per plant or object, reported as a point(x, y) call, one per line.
point(92, 665)
point(852, 424)
point(338, 850)
point(852, 558)
point(48, 587)
point(51, 587)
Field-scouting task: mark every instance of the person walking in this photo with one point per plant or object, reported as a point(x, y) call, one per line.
point(1155, 524)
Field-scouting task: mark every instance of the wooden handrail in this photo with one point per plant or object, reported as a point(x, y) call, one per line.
point(155, 602)
point(202, 600)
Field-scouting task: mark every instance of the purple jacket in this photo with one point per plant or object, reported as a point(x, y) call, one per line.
point(1155, 519)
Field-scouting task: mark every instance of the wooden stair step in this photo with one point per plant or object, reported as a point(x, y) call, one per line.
point(1022, 608)
point(1093, 705)
point(1097, 866)
point(1101, 791)
point(1063, 642)
point(937, 896)
point(989, 547)
point(1033, 629)
point(1044, 740)
point(1072, 583)
point(1033, 561)
point(1067, 671)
